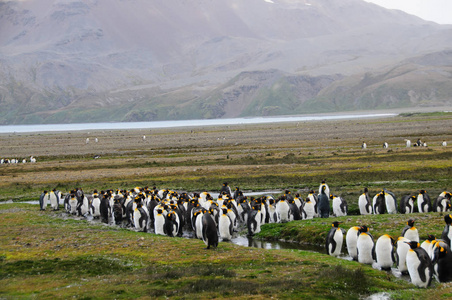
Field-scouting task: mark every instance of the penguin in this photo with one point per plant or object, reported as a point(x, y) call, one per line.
point(442, 203)
point(401, 252)
point(385, 145)
point(54, 199)
point(140, 218)
point(171, 226)
point(351, 239)
point(209, 231)
point(407, 204)
point(159, 222)
point(365, 206)
point(424, 203)
point(253, 221)
point(104, 207)
point(410, 232)
point(226, 190)
point(334, 240)
point(340, 207)
point(378, 203)
point(282, 210)
point(294, 210)
point(324, 202)
point(225, 225)
point(365, 246)
point(118, 210)
point(442, 262)
point(72, 204)
point(299, 202)
point(384, 252)
point(198, 223)
point(408, 143)
point(312, 196)
point(364, 145)
point(95, 205)
point(419, 265)
point(309, 209)
point(390, 202)
point(446, 235)
point(43, 200)
point(427, 244)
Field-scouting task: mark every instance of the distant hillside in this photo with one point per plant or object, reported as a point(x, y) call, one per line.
point(138, 60)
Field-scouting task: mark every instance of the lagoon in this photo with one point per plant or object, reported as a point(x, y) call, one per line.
point(180, 123)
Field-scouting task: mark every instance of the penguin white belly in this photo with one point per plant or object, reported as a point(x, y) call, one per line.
point(310, 210)
point(85, 206)
point(73, 205)
point(362, 203)
point(199, 226)
point(159, 224)
point(365, 246)
point(412, 262)
point(420, 201)
point(390, 204)
point(383, 251)
point(351, 239)
point(402, 250)
point(95, 207)
point(53, 201)
point(224, 227)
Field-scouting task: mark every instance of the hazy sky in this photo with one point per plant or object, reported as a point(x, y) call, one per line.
point(439, 11)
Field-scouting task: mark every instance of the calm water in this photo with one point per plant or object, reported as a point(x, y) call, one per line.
point(182, 123)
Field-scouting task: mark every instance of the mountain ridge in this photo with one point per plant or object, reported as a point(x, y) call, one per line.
point(98, 60)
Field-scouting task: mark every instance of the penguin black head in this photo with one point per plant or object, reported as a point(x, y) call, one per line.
point(366, 190)
point(225, 211)
point(413, 244)
point(431, 237)
point(336, 224)
point(448, 219)
point(363, 228)
point(410, 222)
point(323, 181)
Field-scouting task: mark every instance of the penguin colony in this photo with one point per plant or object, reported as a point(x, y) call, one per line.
point(422, 262)
point(171, 213)
point(7, 161)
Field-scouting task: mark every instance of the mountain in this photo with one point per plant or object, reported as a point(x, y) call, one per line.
point(137, 60)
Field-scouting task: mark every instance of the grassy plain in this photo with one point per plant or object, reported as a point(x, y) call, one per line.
point(45, 256)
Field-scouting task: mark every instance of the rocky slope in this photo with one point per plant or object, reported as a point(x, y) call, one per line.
point(113, 60)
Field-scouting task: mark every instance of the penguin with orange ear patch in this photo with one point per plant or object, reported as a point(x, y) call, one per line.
point(209, 231)
point(419, 265)
point(334, 240)
point(442, 262)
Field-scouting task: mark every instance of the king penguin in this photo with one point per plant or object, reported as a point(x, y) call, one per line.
point(390, 202)
point(209, 231)
point(334, 240)
point(324, 202)
point(384, 252)
point(365, 207)
point(378, 203)
point(424, 203)
point(340, 207)
point(351, 239)
point(365, 246)
point(447, 231)
point(43, 200)
point(427, 244)
point(159, 222)
point(419, 265)
point(225, 225)
point(253, 221)
point(54, 199)
point(442, 262)
point(140, 218)
point(407, 204)
point(309, 209)
point(410, 232)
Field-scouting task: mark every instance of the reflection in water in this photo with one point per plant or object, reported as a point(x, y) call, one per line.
point(256, 243)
